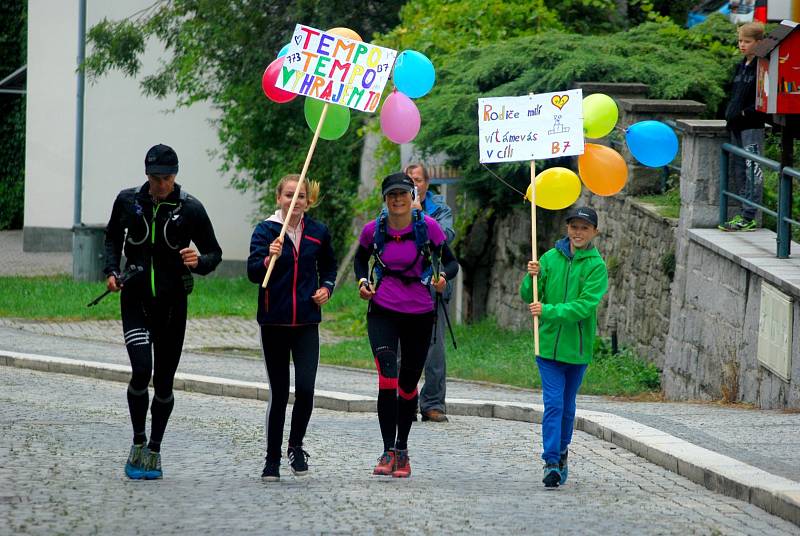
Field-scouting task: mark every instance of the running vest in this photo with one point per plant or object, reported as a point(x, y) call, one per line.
point(420, 235)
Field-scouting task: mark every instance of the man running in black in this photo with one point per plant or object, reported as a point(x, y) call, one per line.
point(156, 223)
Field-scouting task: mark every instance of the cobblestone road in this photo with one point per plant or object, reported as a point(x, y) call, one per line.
point(65, 441)
point(731, 430)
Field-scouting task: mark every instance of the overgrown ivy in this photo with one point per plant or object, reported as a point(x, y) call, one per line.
point(12, 115)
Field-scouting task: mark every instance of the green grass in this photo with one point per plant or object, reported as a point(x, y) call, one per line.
point(485, 351)
point(667, 204)
point(62, 298)
point(489, 353)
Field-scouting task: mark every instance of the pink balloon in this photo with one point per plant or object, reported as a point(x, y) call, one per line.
point(400, 119)
point(272, 91)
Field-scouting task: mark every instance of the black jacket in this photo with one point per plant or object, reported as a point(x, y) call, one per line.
point(297, 273)
point(153, 235)
point(741, 112)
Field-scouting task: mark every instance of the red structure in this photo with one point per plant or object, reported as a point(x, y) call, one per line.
point(778, 82)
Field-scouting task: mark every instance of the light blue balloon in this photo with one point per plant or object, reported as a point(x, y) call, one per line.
point(284, 50)
point(413, 74)
point(652, 143)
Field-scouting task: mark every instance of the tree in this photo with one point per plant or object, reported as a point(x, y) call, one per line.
point(12, 115)
point(676, 63)
point(216, 52)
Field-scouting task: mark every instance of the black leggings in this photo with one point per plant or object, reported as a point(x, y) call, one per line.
point(397, 391)
point(277, 342)
point(154, 330)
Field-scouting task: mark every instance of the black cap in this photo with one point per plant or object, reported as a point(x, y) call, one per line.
point(161, 160)
point(397, 181)
point(583, 213)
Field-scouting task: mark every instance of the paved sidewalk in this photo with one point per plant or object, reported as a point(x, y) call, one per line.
point(14, 261)
point(65, 441)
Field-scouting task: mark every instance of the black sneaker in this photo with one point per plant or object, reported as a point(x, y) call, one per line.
point(563, 466)
point(272, 471)
point(551, 475)
point(298, 460)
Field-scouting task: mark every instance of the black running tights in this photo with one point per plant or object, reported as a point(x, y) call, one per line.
point(154, 330)
point(397, 389)
point(277, 344)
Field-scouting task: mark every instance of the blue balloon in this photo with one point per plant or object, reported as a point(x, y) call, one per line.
point(652, 143)
point(284, 50)
point(413, 74)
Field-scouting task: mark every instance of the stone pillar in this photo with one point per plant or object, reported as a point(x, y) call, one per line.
point(701, 146)
point(643, 179)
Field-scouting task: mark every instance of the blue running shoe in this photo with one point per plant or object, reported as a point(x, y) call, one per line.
point(134, 468)
point(152, 466)
point(563, 467)
point(551, 475)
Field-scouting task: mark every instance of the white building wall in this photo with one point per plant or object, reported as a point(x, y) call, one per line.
point(119, 126)
point(50, 113)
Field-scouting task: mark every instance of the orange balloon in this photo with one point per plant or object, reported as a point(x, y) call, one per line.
point(347, 33)
point(602, 169)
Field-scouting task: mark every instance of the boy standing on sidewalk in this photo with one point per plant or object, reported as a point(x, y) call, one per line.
point(572, 279)
point(746, 126)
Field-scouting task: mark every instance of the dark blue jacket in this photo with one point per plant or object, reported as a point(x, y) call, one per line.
point(297, 274)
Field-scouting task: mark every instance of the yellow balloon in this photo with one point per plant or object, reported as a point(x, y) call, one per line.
point(347, 33)
point(556, 188)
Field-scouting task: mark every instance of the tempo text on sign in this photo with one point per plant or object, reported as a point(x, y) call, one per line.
point(335, 69)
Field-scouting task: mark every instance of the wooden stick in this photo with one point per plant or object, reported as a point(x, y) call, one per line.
point(302, 178)
point(533, 257)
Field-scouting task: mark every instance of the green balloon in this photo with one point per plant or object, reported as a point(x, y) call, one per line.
point(599, 115)
point(336, 120)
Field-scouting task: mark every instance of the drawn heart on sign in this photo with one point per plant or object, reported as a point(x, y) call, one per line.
point(297, 39)
point(559, 100)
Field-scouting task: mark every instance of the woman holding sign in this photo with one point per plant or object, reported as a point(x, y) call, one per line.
point(410, 254)
point(289, 313)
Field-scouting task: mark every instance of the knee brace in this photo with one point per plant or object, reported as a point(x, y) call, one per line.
point(386, 363)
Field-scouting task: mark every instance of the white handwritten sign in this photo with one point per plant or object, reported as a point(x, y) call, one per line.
point(532, 127)
point(335, 69)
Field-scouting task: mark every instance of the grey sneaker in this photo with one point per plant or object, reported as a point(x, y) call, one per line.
point(738, 223)
point(133, 467)
point(152, 466)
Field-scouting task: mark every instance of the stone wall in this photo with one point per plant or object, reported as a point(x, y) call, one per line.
point(713, 342)
point(638, 246)
point(712, 346)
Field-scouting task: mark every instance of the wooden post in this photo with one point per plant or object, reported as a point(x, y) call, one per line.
point(297, 190)
point(533, 256)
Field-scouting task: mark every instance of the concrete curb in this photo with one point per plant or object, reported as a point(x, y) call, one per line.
point(718, 473)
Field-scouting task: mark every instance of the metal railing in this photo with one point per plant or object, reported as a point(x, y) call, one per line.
point(783, 215)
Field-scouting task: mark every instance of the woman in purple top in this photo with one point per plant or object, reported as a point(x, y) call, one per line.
point(410, 253)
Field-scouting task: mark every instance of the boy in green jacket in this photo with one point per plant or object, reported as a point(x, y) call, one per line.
point(572, 279)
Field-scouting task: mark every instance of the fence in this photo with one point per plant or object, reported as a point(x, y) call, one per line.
point(783, 215)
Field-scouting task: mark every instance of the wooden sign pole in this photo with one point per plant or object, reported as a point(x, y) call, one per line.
point(534, 257)
point(302, 178)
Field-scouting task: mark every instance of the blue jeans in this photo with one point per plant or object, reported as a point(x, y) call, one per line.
point(560, 383)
